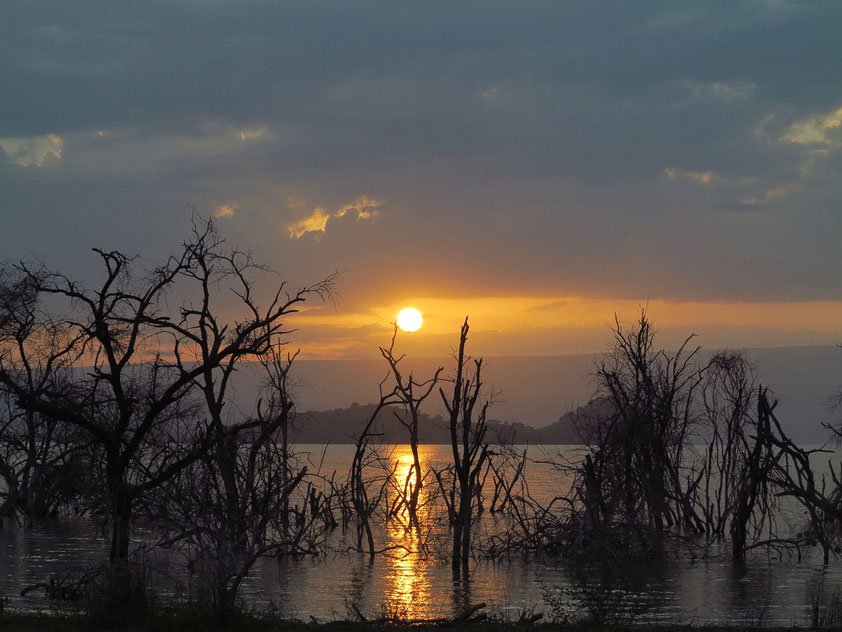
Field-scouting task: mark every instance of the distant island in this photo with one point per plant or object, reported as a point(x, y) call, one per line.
point(343, 425)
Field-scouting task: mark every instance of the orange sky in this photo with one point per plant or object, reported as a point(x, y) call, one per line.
point(557, 326)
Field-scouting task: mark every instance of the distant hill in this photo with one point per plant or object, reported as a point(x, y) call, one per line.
point(537, 391)
point(343, 425)
point(534, 391)
point(565, 431)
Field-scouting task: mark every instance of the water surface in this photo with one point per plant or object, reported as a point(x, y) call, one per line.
point(415, 579)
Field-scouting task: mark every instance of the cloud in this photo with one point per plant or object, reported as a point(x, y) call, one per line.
point(770, 197)
point(703, 177)
point(363, 206)
point(549, 307)
point(226, 210)
point(816, 130)
point(316, 222)
point(512, 108)
point(293, 201)
point(746, 191)
point(722, 90)
point(32, 151)
point(819, 134)
point(254, 133)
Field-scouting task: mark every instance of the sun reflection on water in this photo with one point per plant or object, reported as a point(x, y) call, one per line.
point(407, 585)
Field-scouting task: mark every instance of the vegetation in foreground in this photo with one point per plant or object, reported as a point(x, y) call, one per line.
point(187, 619)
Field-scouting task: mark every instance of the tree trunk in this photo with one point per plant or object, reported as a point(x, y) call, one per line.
point(120, 495)
point(121, 513)
point(456, 558)
point(416, 465)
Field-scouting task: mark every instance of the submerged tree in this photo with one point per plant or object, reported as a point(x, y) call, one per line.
point(136, 398)
point(791, 472)
point(410, 395)
point(467, 424)
point(632, 475)
point(41, 461)
point(232, 506)
point(727, 423)
point(364, 499)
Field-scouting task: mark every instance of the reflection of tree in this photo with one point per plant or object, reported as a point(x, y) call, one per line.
point(462, 596)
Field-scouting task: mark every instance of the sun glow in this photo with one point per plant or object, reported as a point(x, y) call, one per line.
point(409, 319)
point(559, 325)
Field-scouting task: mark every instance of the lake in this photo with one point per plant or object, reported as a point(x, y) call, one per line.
point(415, 580)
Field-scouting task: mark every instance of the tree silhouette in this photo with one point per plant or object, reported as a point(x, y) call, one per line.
point(144, 361)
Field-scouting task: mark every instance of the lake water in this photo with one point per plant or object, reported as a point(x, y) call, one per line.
point(416, 582)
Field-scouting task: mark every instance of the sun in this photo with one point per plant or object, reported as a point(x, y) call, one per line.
point(409, 319)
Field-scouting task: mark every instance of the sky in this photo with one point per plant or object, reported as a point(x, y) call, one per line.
point(538, 167)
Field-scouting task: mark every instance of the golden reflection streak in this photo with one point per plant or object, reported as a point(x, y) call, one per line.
point(407, 587)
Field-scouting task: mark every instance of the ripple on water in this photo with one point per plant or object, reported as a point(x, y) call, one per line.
point(701, 590)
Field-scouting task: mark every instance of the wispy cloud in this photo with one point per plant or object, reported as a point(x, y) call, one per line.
point(315, 223)
point(772, 196)
point(549, 307)
point(722, 90)
point(749, 192)
point(703, 177)
point(816, 130)
point(293, 201)
point(33, 150)
point(821, 135)
point(254, 133)
point(364, 207)
point(226, 210)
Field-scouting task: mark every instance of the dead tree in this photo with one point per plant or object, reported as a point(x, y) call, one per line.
point(467, 424)
point(276, 418)
point(730, 457)
point(232, 507)
point(41, 461)
point(364, 504)
point(754, 485)
point(410, 395)
point(649, 395)
point(794, 476)
point(135, 400)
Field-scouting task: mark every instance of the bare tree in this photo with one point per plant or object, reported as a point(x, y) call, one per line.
point(735, 493)
point(792, 474)
point(40, 460)
point(232, 506)
point(135, 398)
point(726, 423)
point(366, 454)
point(631, 485)
point(467, 423)
point(410, 395)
